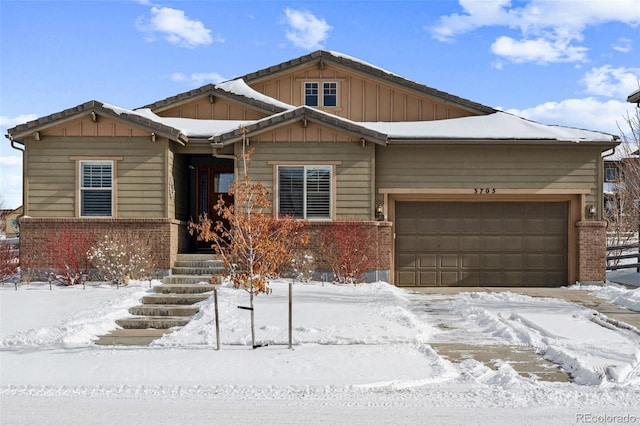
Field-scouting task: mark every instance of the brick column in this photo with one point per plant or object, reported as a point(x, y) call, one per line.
point(592, 251)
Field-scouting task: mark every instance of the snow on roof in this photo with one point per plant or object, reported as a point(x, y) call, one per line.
point(496, 126)
point(499, 125)
point(354, 59)
point(190, 127)
point(239, 87)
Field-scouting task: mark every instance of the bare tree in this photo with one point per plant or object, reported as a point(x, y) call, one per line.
point(623, 201)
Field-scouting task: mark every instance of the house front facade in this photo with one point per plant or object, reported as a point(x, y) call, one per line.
point(459, 194)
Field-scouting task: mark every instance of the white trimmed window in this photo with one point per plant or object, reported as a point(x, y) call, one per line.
point(96, 188)
point(304, 192)
point(328, 97)
point(311, 95)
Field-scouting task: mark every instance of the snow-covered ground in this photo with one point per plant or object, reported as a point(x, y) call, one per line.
point(361, 355)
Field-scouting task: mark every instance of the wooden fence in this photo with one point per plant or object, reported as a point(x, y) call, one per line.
point(635, 255)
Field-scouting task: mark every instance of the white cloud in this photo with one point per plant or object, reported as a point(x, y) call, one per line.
point(538, 50)
point(586, 113)
point(176, 28)
point(306, 31)
point(198, 78)
point(623, 45)
point(7, 122)
point(549, 29)
point(612, 82)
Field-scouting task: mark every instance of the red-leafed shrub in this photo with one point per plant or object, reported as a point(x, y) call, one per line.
point(9, 260)
point(349, 248)
point(67, 252)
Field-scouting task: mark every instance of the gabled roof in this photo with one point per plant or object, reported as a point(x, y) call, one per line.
point(234, 90)
point(323, 56)
point(634, 97)
point(302, 114)
point(95, 108)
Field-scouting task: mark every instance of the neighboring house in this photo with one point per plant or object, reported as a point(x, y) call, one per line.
point(10, 219)
point(459, 193)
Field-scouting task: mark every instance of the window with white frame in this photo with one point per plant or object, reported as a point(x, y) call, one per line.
point(328, 97)
point(304, 192)
point(330, 94)
point(311, 94)
point(96, 188)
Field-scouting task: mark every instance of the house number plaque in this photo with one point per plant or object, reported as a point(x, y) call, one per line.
point(484, 190)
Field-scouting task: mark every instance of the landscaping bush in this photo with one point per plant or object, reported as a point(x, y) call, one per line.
point(120, 257)
point(349, 248)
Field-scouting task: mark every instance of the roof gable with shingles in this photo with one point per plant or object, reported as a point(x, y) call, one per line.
point(99, 109)
point(359, 66)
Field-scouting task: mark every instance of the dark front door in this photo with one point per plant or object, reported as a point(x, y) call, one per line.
point(212, 183)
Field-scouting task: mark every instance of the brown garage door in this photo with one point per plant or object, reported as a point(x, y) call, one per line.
point(481, 243)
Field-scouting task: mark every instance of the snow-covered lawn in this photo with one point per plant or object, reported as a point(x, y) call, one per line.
point(361, 355)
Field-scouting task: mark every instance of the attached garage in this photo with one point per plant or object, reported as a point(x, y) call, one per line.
point(481, 243)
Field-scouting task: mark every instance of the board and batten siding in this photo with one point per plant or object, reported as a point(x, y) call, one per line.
point(203, 109)
point(499, 167)
point(51, 165)
point(354, 168)
point(360, 98)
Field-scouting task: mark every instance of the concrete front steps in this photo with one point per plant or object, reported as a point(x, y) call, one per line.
point(171, 304)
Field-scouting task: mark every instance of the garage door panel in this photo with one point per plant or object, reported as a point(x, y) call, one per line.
point(427, 225)
point(408, 226)
point(429, 261)
point(512, 243)
point(407, 279)
point(470, 225)
point(481, 243)
point(470, 261)
point(491, 226)
point(406, 261)
point(469, 243)
point(427, 244)
point(534, 226)
point(449, 261)
point(429, 278)
point(491, 243)
point(449, 278)
point(449, 243)
point(512, 261)
point(512, 226)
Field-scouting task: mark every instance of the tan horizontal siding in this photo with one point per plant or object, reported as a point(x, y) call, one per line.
point(353, 172)
point(52, 170)
point(458, 167)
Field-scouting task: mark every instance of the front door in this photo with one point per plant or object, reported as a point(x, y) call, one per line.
point(212, 183)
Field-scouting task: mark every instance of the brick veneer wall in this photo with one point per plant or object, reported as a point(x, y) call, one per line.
point(163, 234)
point(592, 251)
point(381, 269)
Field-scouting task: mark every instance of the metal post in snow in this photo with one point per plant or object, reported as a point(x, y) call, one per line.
point(215, 304)
point(290, 314)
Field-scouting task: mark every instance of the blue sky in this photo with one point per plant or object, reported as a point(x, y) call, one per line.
point(570, 62)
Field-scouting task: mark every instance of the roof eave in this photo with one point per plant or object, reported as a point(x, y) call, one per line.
point(497, 141)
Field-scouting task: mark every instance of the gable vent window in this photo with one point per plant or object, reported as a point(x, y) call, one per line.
point(304, 192)
point(328, 97)
point(96, 188)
